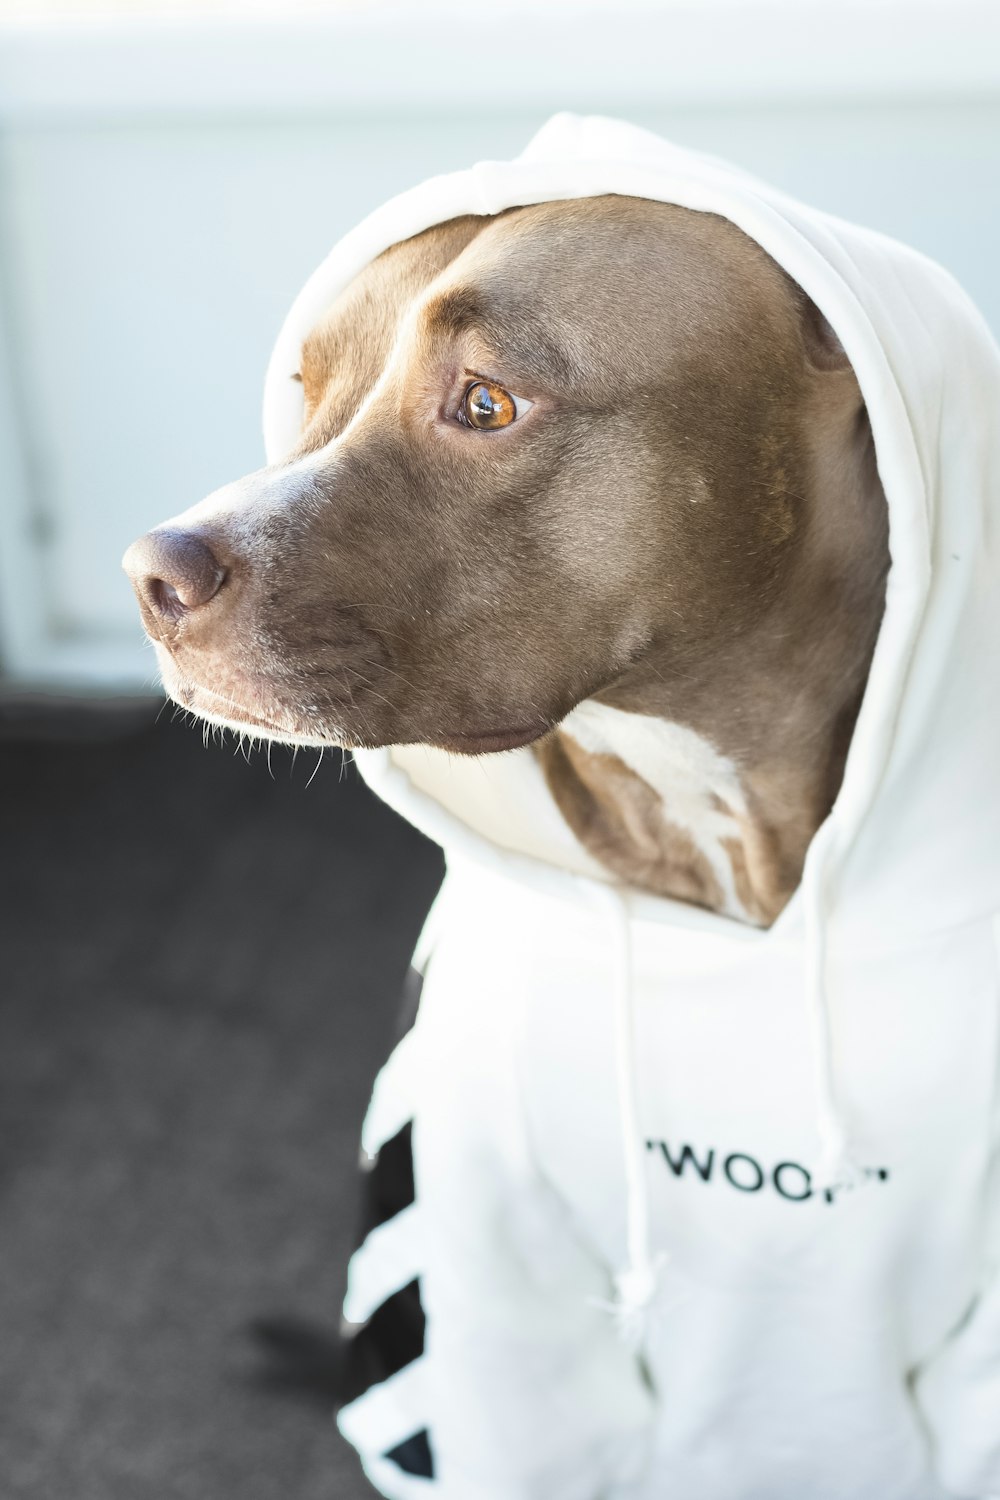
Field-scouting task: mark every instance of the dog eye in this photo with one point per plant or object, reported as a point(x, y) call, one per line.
point(487, 406)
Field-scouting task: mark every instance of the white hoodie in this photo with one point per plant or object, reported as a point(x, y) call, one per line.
point(776, 1154)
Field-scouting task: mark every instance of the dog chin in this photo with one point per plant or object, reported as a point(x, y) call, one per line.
point(489, 741)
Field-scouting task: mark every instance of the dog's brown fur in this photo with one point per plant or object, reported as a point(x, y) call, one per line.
point(687, 524)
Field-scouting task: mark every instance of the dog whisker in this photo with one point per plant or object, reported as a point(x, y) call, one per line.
point(366, 683)
point(392, 673)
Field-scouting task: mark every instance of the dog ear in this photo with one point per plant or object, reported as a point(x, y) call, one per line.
point(823, 348)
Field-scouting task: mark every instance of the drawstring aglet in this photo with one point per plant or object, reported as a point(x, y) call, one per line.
point(637, 1289)
point(838, 1169)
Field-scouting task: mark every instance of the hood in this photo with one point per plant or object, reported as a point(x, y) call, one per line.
point(912, 843)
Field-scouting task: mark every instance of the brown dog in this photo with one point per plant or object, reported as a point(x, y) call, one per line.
point(600, 452)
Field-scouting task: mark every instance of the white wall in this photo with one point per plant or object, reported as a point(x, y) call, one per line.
point(165, 190)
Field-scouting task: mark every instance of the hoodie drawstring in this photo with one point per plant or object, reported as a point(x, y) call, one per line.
point(637, 1284)
point(837, 1166)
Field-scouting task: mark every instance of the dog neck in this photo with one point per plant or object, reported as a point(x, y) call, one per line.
point(708, 787)
point(676, 794)
point(668, 810)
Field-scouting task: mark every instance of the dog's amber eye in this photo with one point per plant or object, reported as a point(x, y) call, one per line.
point(488, 406)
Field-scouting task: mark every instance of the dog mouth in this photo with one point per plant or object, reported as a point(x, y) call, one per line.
point(309, 725)
point(228, 714)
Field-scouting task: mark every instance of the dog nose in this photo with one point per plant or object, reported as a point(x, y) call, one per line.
point(173, 573)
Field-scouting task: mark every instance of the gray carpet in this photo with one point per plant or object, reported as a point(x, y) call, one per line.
point(201, 967)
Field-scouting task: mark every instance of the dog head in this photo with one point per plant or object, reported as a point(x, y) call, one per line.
point(539, 451)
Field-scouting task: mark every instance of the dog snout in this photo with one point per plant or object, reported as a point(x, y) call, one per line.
point(173, 574)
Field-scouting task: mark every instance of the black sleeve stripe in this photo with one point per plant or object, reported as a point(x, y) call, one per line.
point(409, 1002)
point(387, 1181)
point(387, 1185)
point(391, 1339)
point(414, 1456)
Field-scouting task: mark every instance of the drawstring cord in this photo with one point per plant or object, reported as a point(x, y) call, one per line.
point(837, 1167)
point(637, 1284)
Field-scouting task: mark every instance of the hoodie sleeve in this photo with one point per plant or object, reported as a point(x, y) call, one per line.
point(958, 1390)
point(959, 1393)
point(535, 1396)
point(523, 1389)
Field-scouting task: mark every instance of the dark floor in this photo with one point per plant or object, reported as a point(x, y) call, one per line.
point(201, 966)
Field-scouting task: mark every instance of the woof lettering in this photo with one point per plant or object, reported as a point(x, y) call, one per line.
point(789, 1179)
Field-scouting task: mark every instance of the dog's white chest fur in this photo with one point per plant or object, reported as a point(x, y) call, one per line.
point(688, 774)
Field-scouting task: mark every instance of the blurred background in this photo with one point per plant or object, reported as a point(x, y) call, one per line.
point(202, 956)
